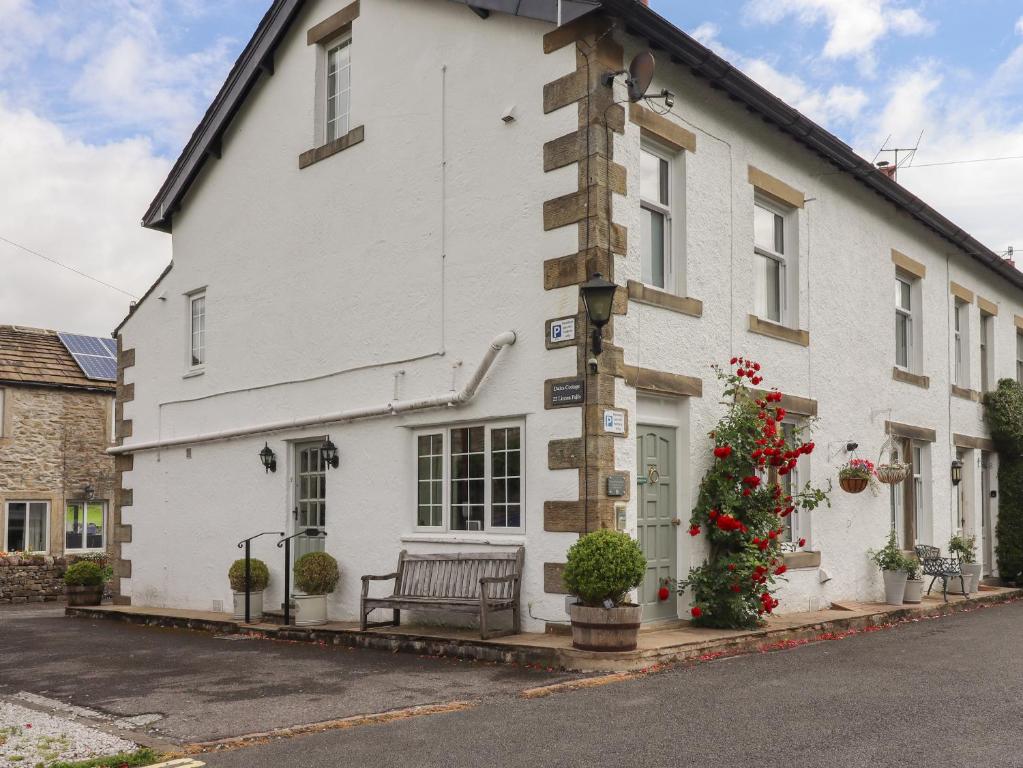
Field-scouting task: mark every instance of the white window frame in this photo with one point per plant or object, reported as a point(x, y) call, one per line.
point(84, 504)
point(46, 523)
point(920, 460)
point(445, 431)
point(901, 311)
point(788, 276)
point(798, 524)
point(190, 341)
point(987, 352)
point(673, 239)
point(961, 343)
point(1019, 355)
point(328, 47)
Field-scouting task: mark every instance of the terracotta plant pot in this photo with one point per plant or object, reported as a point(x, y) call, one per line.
point(605, 629)
point(85, 595)
point(853, 484)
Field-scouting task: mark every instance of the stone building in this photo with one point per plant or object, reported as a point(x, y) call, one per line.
point(56, 423)
point(383, 254)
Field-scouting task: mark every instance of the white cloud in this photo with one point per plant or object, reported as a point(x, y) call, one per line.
point(854, 26)
point(1019, 25)
point(81, 204)
point(837, 104)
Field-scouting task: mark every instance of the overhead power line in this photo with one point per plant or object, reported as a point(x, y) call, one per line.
point(966, 162)
point(61, 264)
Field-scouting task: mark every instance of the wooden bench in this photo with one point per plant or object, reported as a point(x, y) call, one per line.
point(466, 582)
point(944, 568)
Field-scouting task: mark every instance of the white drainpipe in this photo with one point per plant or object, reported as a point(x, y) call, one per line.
point(467, 393)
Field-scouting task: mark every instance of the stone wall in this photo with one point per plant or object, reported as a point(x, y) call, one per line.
point(31, 579)
point(53, 445)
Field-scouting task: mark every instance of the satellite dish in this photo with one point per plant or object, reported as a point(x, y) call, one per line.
point(641, 72)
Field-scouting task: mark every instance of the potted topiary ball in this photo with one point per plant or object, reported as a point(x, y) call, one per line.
point(259, 576)
point(83, 583)
point(316, 575)
point(602, 568)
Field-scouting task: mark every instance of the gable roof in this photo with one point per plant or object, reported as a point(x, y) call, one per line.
point(639, 20)
point(37, 356)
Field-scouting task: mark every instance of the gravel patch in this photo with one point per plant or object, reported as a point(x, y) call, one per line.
point(29, 738)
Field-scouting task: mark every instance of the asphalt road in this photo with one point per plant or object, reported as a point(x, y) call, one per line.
point(205, 687)
point(943, 692)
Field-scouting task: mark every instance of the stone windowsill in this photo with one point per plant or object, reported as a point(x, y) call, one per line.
point(803, 559)
point(493, 540)
point(655, 297)
point(193, 373)
point(966, 394)
point(775, 331)
point(917, 380)
point(350, 139)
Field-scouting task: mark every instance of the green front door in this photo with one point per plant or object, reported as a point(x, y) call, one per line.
point(657, 524)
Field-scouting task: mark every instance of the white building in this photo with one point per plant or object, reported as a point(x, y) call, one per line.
point(381, 189)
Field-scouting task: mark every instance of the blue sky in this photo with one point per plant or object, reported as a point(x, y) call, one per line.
point(98, 96)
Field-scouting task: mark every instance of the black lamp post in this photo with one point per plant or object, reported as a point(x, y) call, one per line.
point(598, 296)
point(269, 458)
point(329, 452)
point(957, 471)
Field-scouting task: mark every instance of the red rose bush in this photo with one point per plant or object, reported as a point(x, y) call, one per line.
point(742, 505)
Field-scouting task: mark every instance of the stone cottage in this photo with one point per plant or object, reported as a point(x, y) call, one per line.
point(380, 229)
point(56, 422)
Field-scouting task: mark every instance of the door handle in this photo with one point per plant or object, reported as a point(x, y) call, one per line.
point(676, 521)
point(294, 513)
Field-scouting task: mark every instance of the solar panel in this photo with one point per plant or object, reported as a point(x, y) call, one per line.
point(97, 357)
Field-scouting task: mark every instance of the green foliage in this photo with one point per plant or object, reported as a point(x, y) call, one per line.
point(604, 565)
point(100, 559)
point(1003, 412)
point(258, 573)
point(891, 557)
point(316, 573)
point(742, 504)
point(963, 547)
point(84, 573)
point(140, 757)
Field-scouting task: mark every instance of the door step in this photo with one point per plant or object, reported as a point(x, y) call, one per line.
point(276, 615)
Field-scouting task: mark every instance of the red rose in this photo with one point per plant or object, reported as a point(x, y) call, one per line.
point(780, 569)
point(740, 373)
point(663, 593)
point(756, 380)
point(731, 566)
point(734, 360)
point(694, 530)
point(697, 613)
point(736, 588)
point(723, 451)
point(802, 542)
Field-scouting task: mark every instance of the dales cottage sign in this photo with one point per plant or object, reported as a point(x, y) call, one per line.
point(565, 393)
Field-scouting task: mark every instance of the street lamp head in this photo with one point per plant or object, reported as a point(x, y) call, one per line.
point(598, 296)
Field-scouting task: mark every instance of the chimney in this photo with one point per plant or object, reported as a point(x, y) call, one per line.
point(889, 170)
point(645, 2)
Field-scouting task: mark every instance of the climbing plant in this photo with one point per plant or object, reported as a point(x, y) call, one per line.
point(1003, 411)
point(742, 504)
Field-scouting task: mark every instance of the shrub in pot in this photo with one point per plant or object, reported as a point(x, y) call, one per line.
point(83, 582)
point(965, 548)
point(316, 575)
point(895, 567)
point(259, 576)
point(914, 582)
point(601, 569)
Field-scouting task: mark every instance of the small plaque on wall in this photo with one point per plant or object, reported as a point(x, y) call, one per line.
point(564, 393)
point(614, 422)
point(562, 330)
point(616, 485)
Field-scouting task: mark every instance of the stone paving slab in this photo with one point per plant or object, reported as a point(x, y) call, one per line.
point(555, 651)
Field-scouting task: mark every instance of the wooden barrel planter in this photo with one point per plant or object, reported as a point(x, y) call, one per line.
point(853, 484)
point(605, 629)
point(84, 595)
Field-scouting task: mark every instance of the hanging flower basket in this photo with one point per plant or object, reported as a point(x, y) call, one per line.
point(853, 484)
point(892, 471)
point(857, 475)
point(892, 474)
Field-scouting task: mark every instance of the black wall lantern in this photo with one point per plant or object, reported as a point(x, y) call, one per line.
point(269, 458)
point(598, 296)
point(957, 471)
point(329, 452)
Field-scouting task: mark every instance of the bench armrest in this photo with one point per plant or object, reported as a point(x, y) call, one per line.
point(367, 579)
point(484, 580)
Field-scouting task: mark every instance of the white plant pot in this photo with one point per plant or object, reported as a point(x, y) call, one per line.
point(255, 606)
point(914, 591)
point(310, 610)
point(972, 572)
point(894, 586)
